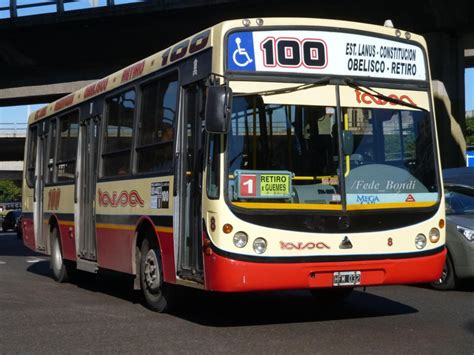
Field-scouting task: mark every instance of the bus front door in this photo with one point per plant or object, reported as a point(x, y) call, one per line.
point(189, 180)
point(85, 192)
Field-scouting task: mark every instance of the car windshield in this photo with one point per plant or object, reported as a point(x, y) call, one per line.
point(459, 199)
point(393, 158)
point(283, 153)
point(289, 154)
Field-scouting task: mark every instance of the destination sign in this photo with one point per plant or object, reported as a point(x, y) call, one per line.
point(253, 184)
point(324, 53)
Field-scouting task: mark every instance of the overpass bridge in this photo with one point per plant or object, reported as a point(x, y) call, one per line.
point(12, 143)
point(52, 54)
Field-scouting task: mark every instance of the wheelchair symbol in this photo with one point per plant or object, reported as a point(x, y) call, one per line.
point(244, 59)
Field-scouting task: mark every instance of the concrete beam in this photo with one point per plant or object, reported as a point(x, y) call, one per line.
point(39, 93)
point(12, 149)
point(469, 58)
point(11, 166)
point(11, 175)
point(11, 170)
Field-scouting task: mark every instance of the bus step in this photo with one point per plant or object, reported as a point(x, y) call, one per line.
point(86, 265)
point(191, 276)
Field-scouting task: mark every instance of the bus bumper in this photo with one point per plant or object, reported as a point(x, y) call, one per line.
point(229, 275)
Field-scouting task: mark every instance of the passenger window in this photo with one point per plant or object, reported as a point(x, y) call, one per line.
point(156, 125)
point(68, 134)
point(118, 134)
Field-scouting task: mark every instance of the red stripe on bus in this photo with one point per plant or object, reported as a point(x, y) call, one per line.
point(115, 247)
point(227, 275)
point(68, 241)
point(28, 233)
point(167, 256)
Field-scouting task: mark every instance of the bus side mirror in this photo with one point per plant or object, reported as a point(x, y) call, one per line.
point(218, 109)
point(347, 142)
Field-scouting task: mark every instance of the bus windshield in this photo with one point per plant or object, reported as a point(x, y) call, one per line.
point(287, 156)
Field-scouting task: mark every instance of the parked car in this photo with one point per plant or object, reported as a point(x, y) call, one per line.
point(11, 220)
point(459, 197)
point(3, 213)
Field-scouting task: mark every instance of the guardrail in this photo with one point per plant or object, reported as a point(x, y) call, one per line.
point(12, 129)
point(16, 5)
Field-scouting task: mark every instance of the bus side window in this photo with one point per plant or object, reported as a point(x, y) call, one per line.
point(156, 125)
point(118, 134)
point(68, 134)
point(31, 156)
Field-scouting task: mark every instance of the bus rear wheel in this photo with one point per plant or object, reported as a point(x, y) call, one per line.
point(157, 294)
point(331, 295)
point(61, 269)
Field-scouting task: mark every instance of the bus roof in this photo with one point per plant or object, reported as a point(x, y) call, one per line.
point(159, 60)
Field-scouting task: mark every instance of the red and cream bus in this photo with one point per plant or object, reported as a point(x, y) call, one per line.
point(258, 154)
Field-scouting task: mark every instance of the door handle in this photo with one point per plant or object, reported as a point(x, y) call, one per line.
point(34, 189)
point(75, 187)
point(175, 174)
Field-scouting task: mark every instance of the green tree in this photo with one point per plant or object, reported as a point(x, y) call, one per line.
point(469, 131)
point(9, 191)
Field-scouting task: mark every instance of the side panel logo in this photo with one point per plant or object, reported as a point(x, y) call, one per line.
point(303, 246)
point(368, 99)
point(123, 199)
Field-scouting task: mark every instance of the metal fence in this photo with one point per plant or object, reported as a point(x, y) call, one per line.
point(12, 129)
point(15, 5)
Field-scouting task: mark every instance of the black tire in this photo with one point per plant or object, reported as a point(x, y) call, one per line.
point(447, 280)
point(331, 295)
point(158, 294)
point(61, 269)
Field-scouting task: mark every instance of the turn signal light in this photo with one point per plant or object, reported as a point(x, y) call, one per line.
point(441, 223)
point(227, 228)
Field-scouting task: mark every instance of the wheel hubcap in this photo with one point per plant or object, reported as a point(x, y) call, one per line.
point(151, 271)
point(443, 276)
point(56, 257)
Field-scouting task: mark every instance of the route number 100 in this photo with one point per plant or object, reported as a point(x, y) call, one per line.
point(293, 53)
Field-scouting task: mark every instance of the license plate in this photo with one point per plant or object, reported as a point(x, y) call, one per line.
point(346, 278)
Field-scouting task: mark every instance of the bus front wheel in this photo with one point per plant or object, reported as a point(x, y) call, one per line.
point(447, 279)
point(157, 293)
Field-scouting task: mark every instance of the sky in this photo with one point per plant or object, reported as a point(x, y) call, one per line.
point(19, 114)
point(469, 88)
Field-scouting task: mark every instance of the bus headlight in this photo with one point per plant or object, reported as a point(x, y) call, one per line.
point(434, 235)
point(240, 239)
point(260, 245)
point(420, 241)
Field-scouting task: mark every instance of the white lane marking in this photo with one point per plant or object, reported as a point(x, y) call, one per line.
point(34, 260)
point(2, 262)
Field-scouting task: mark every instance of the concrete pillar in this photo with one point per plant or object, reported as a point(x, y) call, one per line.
point(446, 55)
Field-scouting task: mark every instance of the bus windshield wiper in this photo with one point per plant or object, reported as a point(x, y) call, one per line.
point(367, 90)
point(321, 82)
